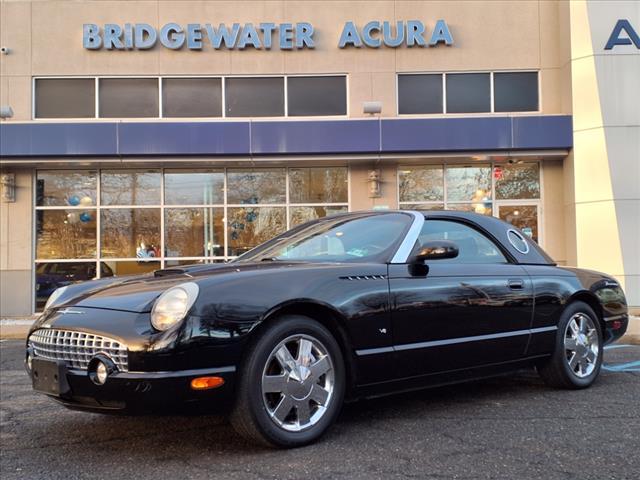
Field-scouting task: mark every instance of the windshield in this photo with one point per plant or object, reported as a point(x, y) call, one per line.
point(370, 237)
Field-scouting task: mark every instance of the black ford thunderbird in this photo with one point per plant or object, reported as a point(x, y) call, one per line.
point(344, 307)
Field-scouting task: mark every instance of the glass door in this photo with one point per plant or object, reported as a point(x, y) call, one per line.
point(525, 217)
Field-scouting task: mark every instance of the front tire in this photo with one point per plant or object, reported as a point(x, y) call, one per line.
point(577, 357)
point(291, 386)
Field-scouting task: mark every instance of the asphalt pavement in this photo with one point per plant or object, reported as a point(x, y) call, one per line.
point(504, 428)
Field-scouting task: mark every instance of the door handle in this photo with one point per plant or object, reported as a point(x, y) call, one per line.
point(515, 284)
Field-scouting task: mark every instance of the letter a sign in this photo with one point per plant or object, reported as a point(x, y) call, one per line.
point(615, 39)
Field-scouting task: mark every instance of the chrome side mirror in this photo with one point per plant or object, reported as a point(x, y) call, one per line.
point(436, 250)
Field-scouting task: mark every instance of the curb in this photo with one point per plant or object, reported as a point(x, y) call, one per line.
point(15, 328)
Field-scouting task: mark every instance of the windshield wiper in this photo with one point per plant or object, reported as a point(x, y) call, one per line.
point(270, 259)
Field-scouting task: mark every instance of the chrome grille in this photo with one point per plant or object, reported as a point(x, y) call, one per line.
point(77, 348)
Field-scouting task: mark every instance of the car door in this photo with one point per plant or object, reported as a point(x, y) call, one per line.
point(467, 311)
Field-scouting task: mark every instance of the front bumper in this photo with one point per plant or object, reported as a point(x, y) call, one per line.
point(145, 392)
point(615, 327)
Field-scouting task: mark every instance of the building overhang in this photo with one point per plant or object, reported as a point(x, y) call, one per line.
point(267, 139)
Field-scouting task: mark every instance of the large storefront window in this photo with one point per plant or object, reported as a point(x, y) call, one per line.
point(100, 223)
point(471, 188)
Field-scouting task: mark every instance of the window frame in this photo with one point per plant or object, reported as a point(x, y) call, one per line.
point(539, 92)
point(346, 95)
point(509, 258)
point(163, 259)
point(492, 112)
point(74, 77)
point(495, 203)
point(161, 116)
point(186, 77)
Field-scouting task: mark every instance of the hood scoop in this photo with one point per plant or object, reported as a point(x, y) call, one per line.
point(167, 272)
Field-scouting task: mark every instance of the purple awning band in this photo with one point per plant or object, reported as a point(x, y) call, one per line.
point(286, 137)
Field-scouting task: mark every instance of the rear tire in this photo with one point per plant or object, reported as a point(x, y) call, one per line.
point(577, 356)
point(291, 385)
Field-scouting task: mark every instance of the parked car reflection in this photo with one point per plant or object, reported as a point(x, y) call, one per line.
point(50, 276)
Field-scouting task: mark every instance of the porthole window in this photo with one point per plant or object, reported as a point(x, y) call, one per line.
point(518, 241)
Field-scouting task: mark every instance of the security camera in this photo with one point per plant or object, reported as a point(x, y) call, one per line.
point(5, 50)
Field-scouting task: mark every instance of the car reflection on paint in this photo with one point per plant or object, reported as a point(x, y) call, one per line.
point(343, 307)
point(50, 276)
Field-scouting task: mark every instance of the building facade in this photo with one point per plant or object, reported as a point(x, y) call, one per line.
point(137, 135)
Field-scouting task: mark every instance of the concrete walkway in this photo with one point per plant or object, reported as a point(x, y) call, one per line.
point(15, 327)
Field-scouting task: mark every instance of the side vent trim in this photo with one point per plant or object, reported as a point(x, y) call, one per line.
point(364, 277)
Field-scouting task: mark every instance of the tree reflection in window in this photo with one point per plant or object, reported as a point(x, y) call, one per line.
point(248, 227)
point(519, 181)
point(66, 234)
point(318, 185)
point(251, 187)
point(421, 183)
point(130, 233)
point(130, 187)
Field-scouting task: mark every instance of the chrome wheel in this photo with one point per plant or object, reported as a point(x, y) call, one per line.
point(298, 382)
point(581, 345)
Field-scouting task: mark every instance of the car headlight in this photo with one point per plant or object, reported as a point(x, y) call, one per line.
point(173, 305)
point(53, 298)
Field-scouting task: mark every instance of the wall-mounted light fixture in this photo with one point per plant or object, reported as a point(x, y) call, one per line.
point(375, 183)
point(372, 108)
point(5, 50)
point(6, 111)
point(8, 182)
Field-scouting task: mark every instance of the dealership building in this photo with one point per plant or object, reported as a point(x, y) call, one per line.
point(138, 135)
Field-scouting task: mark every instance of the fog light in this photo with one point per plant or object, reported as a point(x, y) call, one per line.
point(205, 383)
point(29, 362)
point(100, 367)
point(101, 373)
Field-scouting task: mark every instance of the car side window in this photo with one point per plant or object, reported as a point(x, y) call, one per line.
point(473, 246)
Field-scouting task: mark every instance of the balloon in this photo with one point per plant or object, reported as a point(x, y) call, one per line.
point(86, 201)
point(73, 200)
point(73, 217)
point(85, 217)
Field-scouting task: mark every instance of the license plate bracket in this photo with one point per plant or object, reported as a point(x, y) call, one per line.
point(50, 377)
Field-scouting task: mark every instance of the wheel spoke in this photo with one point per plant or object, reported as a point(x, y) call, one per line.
point(284, 408)
point(570, 343)
point(321, 367)
point(304, 412)
point(575, 330)
point(583, 324)
point(285, 359)
point(574, 361)
point(584, 365)
point(274, 383)
point(593, 336)
point(304, 352)
point(319, 394)
point(591, 356)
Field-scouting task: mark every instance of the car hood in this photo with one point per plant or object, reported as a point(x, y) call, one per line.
point(137, 294)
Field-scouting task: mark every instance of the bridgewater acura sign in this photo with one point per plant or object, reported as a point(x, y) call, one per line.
point(289, 36)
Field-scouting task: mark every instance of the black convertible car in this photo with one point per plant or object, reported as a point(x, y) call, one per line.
point(348, 306)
